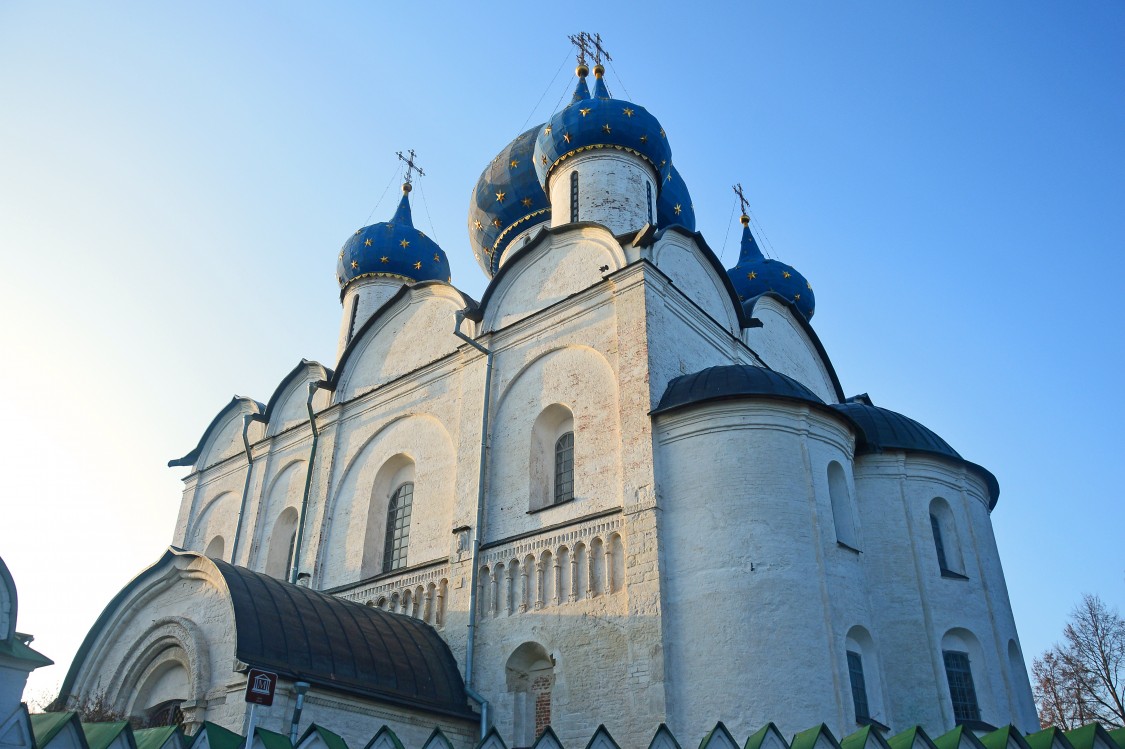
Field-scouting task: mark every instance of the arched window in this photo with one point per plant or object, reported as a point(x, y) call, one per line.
point(564, 468)
point(863, 676)
point(962, 657)
point(946, 544)
point(551, 468)
point(398, 527)
point(841, 499)
point(283, 537)
point(215, 548)
point(393, 482)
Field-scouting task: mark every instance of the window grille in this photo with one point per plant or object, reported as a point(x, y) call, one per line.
point(564, 468)
point(859, 687)
point(398, 528)
point(961, 689)
point(939, 544)
point(574, 196)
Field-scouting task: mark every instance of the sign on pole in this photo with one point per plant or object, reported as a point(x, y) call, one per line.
point(260, 686)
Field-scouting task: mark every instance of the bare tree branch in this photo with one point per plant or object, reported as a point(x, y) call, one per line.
point(1080, 680)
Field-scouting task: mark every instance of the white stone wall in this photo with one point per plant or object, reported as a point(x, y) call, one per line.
point(916, 606)
point(743, 540)
point(362, 299)
point(615, 189)
point(785, 347)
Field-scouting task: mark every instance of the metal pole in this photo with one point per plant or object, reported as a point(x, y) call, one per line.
point(251, 727)
point(302, 687)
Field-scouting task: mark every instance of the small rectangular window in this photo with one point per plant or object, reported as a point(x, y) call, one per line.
point(961, 690)
point(859, 687)
point(935, 526)
point(574, 196)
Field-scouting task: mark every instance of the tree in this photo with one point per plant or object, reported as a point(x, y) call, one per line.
point(1082, 680)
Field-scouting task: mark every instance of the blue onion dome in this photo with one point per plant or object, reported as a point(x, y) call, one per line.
point(506, 201)
point(392, 249)
point(756, 274)
point(673, 206)
point(590, 123)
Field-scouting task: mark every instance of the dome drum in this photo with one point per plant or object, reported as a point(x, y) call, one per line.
point(605, 186)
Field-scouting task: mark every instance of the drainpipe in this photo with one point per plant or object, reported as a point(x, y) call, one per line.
point(473, 694)
point(245, 487)
point(308, 485)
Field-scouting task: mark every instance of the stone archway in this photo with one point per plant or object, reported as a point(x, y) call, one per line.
point(530, 673)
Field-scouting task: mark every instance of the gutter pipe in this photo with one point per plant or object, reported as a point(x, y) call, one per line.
point(245, 486)
point(473, 694)
point(313, 386)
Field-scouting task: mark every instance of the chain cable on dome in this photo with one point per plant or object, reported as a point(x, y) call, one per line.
point(535, 108)
point(426, 203)
point(771, 253)
point(726, 234)
point(620, 80)
point(380, 200)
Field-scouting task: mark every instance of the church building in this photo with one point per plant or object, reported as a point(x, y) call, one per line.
point(625, 487)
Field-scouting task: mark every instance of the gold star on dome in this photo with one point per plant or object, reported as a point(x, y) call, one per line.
point(605, 128)
point(628, 112)
point(496, 222)
point(418, 265)
point(751, 275)
point(421, 234)
point(514, 163)
point(663, 163)
point(526, 202)
point(547, 131)
point(644, 139)
point(809, 285)
point(368, 242)
point(479, 225)
point(384, 259)
point(437, 259)
point(355, 265)
point(796, 297)
point(341, 254)
point(785, 274)
point(585, 111)
point(405, 243)
point(662, 135)
point(566, 137)
point(500, 196)
point(668, 177)
point(544, 159)
point(677, 208)
point(357, 231)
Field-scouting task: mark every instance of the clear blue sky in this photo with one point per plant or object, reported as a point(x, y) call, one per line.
point(176, 180)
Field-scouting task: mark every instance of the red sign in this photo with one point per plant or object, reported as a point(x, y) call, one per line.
point(259, 686)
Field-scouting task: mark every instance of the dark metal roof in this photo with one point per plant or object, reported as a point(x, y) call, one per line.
point(883, 429)
point(732, 381)
point(879, 429)
point(324, 640)
point(341, 645)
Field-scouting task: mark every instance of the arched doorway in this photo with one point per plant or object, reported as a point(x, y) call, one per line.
point(530, 676)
